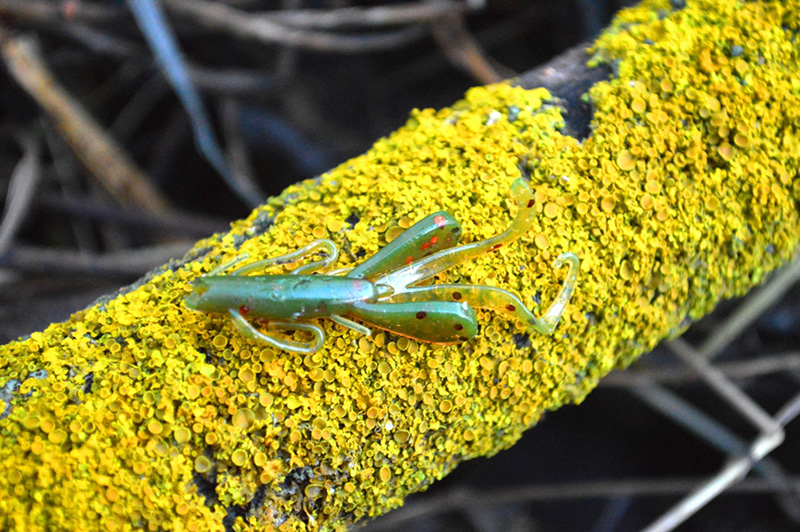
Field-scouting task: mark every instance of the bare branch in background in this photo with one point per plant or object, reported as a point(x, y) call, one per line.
point(108, 162)
point(219, 17)
point(379, 16)
point(159, 36)
point(44, 10)
point(171, 222)
point(126, 262)
point(21, 190)
point(462, 49)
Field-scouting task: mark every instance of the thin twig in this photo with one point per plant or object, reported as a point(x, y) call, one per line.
point(65, 170)
point(98, 41)
point(47, 10)
point(232, 81)
point(220, 17)
point(220, 80)
point(161, 39)
point(286, 61)
point(379, 16)
point(494, 35)
point(236, 149)
point(751, 309)
point(134, 261)
point(110, 165)
point(460, 47)
point(460, 498)
point(733, 370)
point(169, 222)
point(21, 189)
point(707, 428)
point(730, 474)
point(724, 387)
point(141, 104)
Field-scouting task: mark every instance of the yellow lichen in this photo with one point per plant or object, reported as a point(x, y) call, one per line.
point(626, 160)
point(139, 413)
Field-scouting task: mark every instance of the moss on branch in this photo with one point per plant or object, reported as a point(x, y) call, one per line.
point(138, 413)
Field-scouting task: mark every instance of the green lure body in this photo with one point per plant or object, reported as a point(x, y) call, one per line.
point(280, 297)
point(381, 291)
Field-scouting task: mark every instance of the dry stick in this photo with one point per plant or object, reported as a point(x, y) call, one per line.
point(390, 15)
point(784, 362)
point(394, 15)
point(139, 107)
point(65, 174)
point(97, 40)
point(730, 474)
point(253, 26)
point(102, 40)
point(705, 427)
point(128, 262)
point(232, 81)
point(105, 42)
point(21, 189)
point(286, 63)
point(109, 164)
point(170, 222)
point(751, 309)
point(463, 499)
point(461, 48)
point(236, 152)
point(47, 10)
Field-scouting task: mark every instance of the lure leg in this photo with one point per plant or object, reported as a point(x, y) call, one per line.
point(251, 333)
point(501, 300)
point(225, 265)
point(340, 271)
point(350, 324)
point(429, 266)
point(326, 246)
point(433, 233)
point(439, 322)
point(329, 248)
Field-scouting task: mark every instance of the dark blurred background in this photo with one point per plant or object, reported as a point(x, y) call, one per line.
point(276, 91)
point(128, 130)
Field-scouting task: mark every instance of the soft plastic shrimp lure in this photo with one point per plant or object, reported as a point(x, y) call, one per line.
point(379, 291)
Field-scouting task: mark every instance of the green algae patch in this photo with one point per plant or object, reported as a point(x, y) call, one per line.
point(141, 414)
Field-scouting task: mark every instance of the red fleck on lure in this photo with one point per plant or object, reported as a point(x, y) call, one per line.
point(380, 291)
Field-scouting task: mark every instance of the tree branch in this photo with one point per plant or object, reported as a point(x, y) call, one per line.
point(139, 412)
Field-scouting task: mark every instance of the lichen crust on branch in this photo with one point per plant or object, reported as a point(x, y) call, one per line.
point(139, 413)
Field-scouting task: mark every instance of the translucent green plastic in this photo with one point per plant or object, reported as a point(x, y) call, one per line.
point(380, 292)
